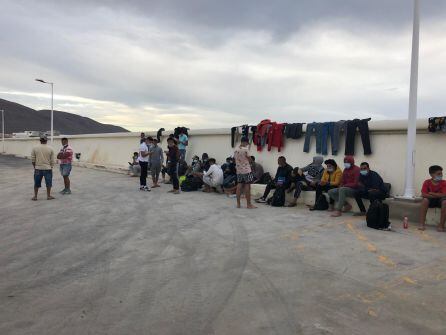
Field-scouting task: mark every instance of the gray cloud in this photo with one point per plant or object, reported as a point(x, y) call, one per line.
point(221, 61)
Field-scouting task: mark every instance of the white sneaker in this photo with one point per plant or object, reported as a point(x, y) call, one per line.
point(146, 188)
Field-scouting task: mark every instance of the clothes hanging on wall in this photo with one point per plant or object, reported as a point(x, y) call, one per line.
point(437, 124)
point(275, 136)
point(363, 127)
point(315, 129)
point(294, 130)
point(235, 136)
point(261, 136)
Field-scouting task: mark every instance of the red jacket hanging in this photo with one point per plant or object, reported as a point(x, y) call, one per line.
point(261, 135)
point(275, 136)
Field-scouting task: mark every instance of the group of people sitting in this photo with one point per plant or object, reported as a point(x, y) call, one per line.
point(358, 182)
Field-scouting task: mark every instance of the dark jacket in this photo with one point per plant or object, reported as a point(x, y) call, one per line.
point(284, 172)
point(371, 181)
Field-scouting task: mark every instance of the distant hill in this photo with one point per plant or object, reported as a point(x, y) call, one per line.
point(19, 118)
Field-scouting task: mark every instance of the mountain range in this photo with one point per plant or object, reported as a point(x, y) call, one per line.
point(19, 118)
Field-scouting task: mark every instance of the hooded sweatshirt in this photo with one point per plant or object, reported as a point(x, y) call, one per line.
point(313, 172)
point(350, 177)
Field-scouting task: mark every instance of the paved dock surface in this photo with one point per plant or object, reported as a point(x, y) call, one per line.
point(110, 259)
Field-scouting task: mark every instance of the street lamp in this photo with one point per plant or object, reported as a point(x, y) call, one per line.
point(3, 129)
point(409, 191)
point(52, 111)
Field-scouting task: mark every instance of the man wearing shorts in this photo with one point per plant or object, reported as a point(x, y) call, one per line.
point(42, 157)
point(65, 157)
point(156, 162)
point(245, 176)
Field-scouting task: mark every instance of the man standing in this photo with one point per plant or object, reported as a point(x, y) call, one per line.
point(173, 155)
point(156, 162)
point(42, 157)
point(143, 160)
point(244, 173)
point(65, 157)
point(183, 142)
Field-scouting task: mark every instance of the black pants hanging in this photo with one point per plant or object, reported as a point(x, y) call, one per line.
point(143, 176)
point(363, 127)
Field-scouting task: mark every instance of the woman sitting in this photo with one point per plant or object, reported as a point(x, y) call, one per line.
point(331, 178)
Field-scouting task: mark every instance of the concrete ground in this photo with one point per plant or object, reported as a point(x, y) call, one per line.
point(110, 259)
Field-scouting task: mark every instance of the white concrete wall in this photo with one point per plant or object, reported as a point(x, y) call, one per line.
point(388, 140)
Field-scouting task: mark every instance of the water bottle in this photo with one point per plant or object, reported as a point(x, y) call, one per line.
point(406, 222)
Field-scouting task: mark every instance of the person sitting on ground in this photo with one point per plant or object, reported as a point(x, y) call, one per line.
point(212, 178)
point(434, 196)
point(371, 186)
point(134, 168)
point(257, 170)
point(205, 162)
point(347, 188)
point(295, 184)
point(195, 166)
point(281, 180)
point(331, 178)
point(313, 173)
point(244, 173)
point(230, 176)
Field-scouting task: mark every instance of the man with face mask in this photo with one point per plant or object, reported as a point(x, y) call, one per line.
point(348, 187)
point(371, 186)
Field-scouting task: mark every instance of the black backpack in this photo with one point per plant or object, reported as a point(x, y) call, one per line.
point(378, 215)
point(321, 204)
point(278, 198)
point(191, 184)
point(265, 179)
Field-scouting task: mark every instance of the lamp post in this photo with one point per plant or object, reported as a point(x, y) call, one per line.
point(3, 129)
point(409, 191)
point(52, 111)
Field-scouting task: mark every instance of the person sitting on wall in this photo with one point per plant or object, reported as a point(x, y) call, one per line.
point(281, 180)
point(434, 196)
point(371, 186)
point(257, 170)
point(212, 178)
point(347, 188)
point(331, 178)
point(313, 173)
point(195, 166)
point(134, 168)
point(296, 181)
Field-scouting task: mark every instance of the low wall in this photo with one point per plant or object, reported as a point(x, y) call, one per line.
point(388, 139)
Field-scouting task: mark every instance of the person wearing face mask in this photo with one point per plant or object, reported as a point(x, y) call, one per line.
point(434, 196)
point(371, 186)
point(331, 178)
point(205, 162)
point(347, 188)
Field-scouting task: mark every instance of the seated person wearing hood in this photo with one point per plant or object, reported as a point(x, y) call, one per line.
point(306, 179)
point(282, 179)
point(347, 188)
point(371, 186)
point(195, 167)
point(331, 178)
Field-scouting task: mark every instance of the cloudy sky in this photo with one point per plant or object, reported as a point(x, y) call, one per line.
point(213, 63)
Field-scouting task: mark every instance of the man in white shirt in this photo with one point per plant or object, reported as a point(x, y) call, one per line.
point(213, 178)
point(143, 159)
point(42, 158)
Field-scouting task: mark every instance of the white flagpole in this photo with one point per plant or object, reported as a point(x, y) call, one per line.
point(409, 191)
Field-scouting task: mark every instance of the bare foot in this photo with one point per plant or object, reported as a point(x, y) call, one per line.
point(422, 228)
point(440, 229)
point(176, 192)
point(50, 198)
point(331, 209)
point(336, 214)
point(251, 207)
point(171, 191)
point(34, 198)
